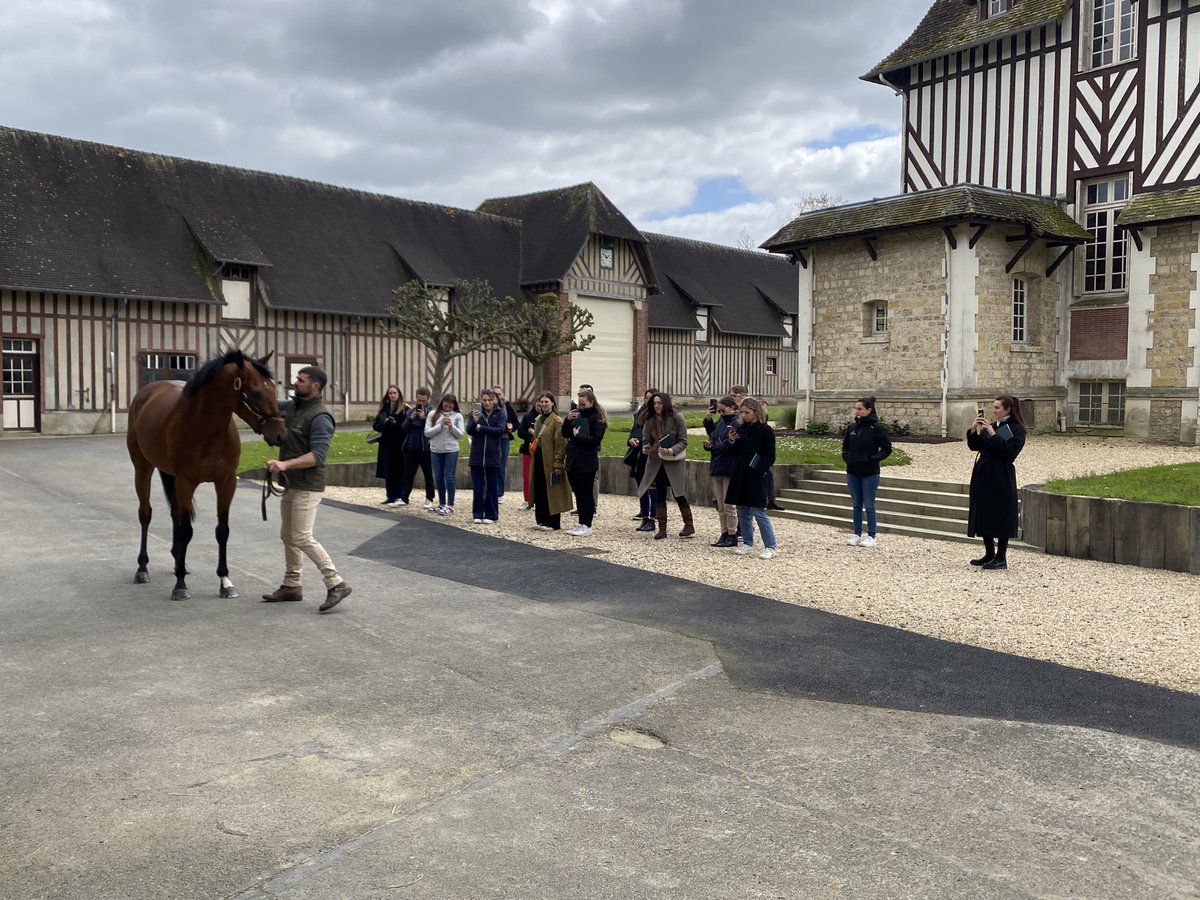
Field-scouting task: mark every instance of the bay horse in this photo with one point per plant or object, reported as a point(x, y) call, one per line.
point(186, 431)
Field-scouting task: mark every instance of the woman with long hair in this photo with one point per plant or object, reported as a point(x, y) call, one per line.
point(584, 430)
point(547, 466)
point(638, 467)
point(721, 468)
point(488, 425)
point(389, 449)
point(754, 442)
point(992, 514)
point(664, 443)
point(865, 445)
point(443, 429)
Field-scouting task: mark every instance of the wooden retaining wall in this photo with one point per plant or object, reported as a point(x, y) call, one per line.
point(1150, 535)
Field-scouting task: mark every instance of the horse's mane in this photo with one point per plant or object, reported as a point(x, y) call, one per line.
point(207, 372)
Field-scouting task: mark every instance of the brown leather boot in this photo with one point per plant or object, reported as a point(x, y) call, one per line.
point(685, 510)
point(660, 512)
point(284, 593)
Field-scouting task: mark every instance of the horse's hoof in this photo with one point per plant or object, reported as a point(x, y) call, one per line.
point(180, 594)
point(141, 578)
point(228, 593)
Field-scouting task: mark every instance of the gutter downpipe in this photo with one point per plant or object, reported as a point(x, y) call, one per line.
point(346, 367)
point(946, 304)
point(112, 365)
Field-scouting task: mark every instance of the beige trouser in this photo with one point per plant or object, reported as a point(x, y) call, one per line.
point(726, 512)
point(298, 514)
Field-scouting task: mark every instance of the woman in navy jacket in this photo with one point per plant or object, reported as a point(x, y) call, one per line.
point(754, 442)
point(864, 446)
point(721, 469)
point(993, 510)
point(583, 455)
point(487, 427)
point(389, 460)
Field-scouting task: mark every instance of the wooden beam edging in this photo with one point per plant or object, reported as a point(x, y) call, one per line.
point(1149, 535)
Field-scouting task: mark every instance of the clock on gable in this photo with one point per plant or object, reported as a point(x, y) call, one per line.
point(606, 257)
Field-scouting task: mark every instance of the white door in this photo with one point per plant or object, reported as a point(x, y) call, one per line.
point(607, 364)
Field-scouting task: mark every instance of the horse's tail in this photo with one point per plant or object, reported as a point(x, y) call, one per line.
point(168, 483)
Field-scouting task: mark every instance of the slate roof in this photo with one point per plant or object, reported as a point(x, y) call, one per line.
point(746, 292)
point(88, 218)
point(557, 225)
point(1161, 206)
point(941, 206)
point(951, 25)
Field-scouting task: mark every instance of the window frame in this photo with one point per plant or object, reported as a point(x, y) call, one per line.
point(990, 9)
point(1109, 248)
point(772, 365)
point(1109, 406)
point(1019, 309)
point(1119, 29)
point(170, 365)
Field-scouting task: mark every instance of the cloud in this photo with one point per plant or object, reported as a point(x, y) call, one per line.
point(456, 102)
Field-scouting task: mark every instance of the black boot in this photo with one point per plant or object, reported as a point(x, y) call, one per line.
point(998, 562)
point(719, 542)
point(647, 525)
point(989, 553)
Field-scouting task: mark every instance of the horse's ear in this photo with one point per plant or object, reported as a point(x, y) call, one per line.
point(264, 359)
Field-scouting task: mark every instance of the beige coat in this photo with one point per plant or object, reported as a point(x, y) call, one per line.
point(676, 466)
point(554, 451)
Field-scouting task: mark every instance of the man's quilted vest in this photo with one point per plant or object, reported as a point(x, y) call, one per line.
point(299, 416)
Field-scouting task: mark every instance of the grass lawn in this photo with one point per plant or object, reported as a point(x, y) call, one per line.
point(352, 446)
point(1178, 484)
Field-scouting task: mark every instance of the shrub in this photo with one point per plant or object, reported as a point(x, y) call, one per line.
point(787, 417)
point(818, 428)
point(900, 429)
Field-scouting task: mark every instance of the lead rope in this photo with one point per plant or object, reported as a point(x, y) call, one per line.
point(270, 489)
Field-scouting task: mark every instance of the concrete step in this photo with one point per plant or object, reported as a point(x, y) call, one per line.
point(840, 520)
point(885, 492)
point(890, 518)
point(915, 484)
point(923, 507)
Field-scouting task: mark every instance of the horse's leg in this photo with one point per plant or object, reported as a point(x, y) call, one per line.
point(225, 491)
point(142, 473)
point(181, 536)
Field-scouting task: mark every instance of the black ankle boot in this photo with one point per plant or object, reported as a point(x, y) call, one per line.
point(647, 525)
point(998, 562)
point(983, 560)
point(719, 542)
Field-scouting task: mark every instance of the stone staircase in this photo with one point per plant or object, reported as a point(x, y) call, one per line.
point(928, 509)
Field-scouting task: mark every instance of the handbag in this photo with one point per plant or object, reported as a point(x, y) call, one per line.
point(533, 445)
point(374, 437)
point(631, 456)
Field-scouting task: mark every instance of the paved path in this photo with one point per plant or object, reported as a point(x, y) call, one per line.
point(483, 720)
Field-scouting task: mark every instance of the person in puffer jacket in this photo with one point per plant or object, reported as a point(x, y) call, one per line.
point(864, 446)
point(487, 427)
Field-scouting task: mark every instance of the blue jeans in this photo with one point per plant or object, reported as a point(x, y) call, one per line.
point(862, 493)
point(747, 516)
point(505, 445)
point(444, 465)
point(646, 504)
point(485, 482)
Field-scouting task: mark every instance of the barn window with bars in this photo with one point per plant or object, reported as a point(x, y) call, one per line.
point(165, 366)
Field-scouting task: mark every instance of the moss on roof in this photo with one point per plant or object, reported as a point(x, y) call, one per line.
point(942, 206)
point(955, 25)
point(1161, 206)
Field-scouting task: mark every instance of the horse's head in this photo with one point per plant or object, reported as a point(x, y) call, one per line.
point(258, 406)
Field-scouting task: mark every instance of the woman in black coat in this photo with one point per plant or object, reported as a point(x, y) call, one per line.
point(993, 510)
point(638, 468)
point(753, 441)
point(584, 429)
point(389, 458)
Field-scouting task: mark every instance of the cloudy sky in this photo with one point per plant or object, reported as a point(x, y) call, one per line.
point(708, 119)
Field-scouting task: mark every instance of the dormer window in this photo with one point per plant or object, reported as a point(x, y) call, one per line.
point(236, 282)
point(989, 9)
point(702, 320)
point(1110, 29)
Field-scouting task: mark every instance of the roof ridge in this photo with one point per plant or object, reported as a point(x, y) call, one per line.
point(224, 167)
point(651, 235)
point(548, 191)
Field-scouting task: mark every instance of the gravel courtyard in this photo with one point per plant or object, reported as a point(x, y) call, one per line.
point(1135, 623)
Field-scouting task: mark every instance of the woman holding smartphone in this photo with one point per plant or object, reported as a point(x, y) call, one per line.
point(992, 514)
point(443, 430)
point(584, 430)
point(865, 445)
point(487, 427)
point(547, 474)
point(754, 443)
point(389, 454)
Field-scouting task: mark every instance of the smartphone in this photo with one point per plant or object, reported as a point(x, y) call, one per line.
point(712, 402)
point(979, 412)
point(479, 409)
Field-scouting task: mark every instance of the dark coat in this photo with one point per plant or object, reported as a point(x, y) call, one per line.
point(638, 469)
point(413, 427)
point(747, 486)
point(510, 418)
point(526, 423)
point(389, 454)
point(865, 445)
point(583, 453)
point(993, 509)
point(486, 435)
point(724, 453)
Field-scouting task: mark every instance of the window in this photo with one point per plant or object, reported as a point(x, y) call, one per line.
point(1111, 32)
point(1101, 403)
point(19, 367)
point(165, 367)
point(1104, 256)
point(993, 8)
point(1020, 331)
point(772, 365)
point(702, 331)
point(879, 318)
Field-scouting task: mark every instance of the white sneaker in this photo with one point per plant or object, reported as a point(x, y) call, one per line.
point(580, 531)
point(477, 521)
point(489, 521)
point(399, 502)
point(768, 553)
point(445, 510)
point(868, 541)
point(429, 504)
point(855, 540)
point(524, 506)
point(744, 550)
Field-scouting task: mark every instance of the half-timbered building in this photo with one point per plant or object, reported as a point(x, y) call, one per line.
point(118, 268)
point(1089, 106)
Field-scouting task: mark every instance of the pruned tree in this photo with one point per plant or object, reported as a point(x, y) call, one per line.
point(815, 201)
point(543, 328)
point(450, 322)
